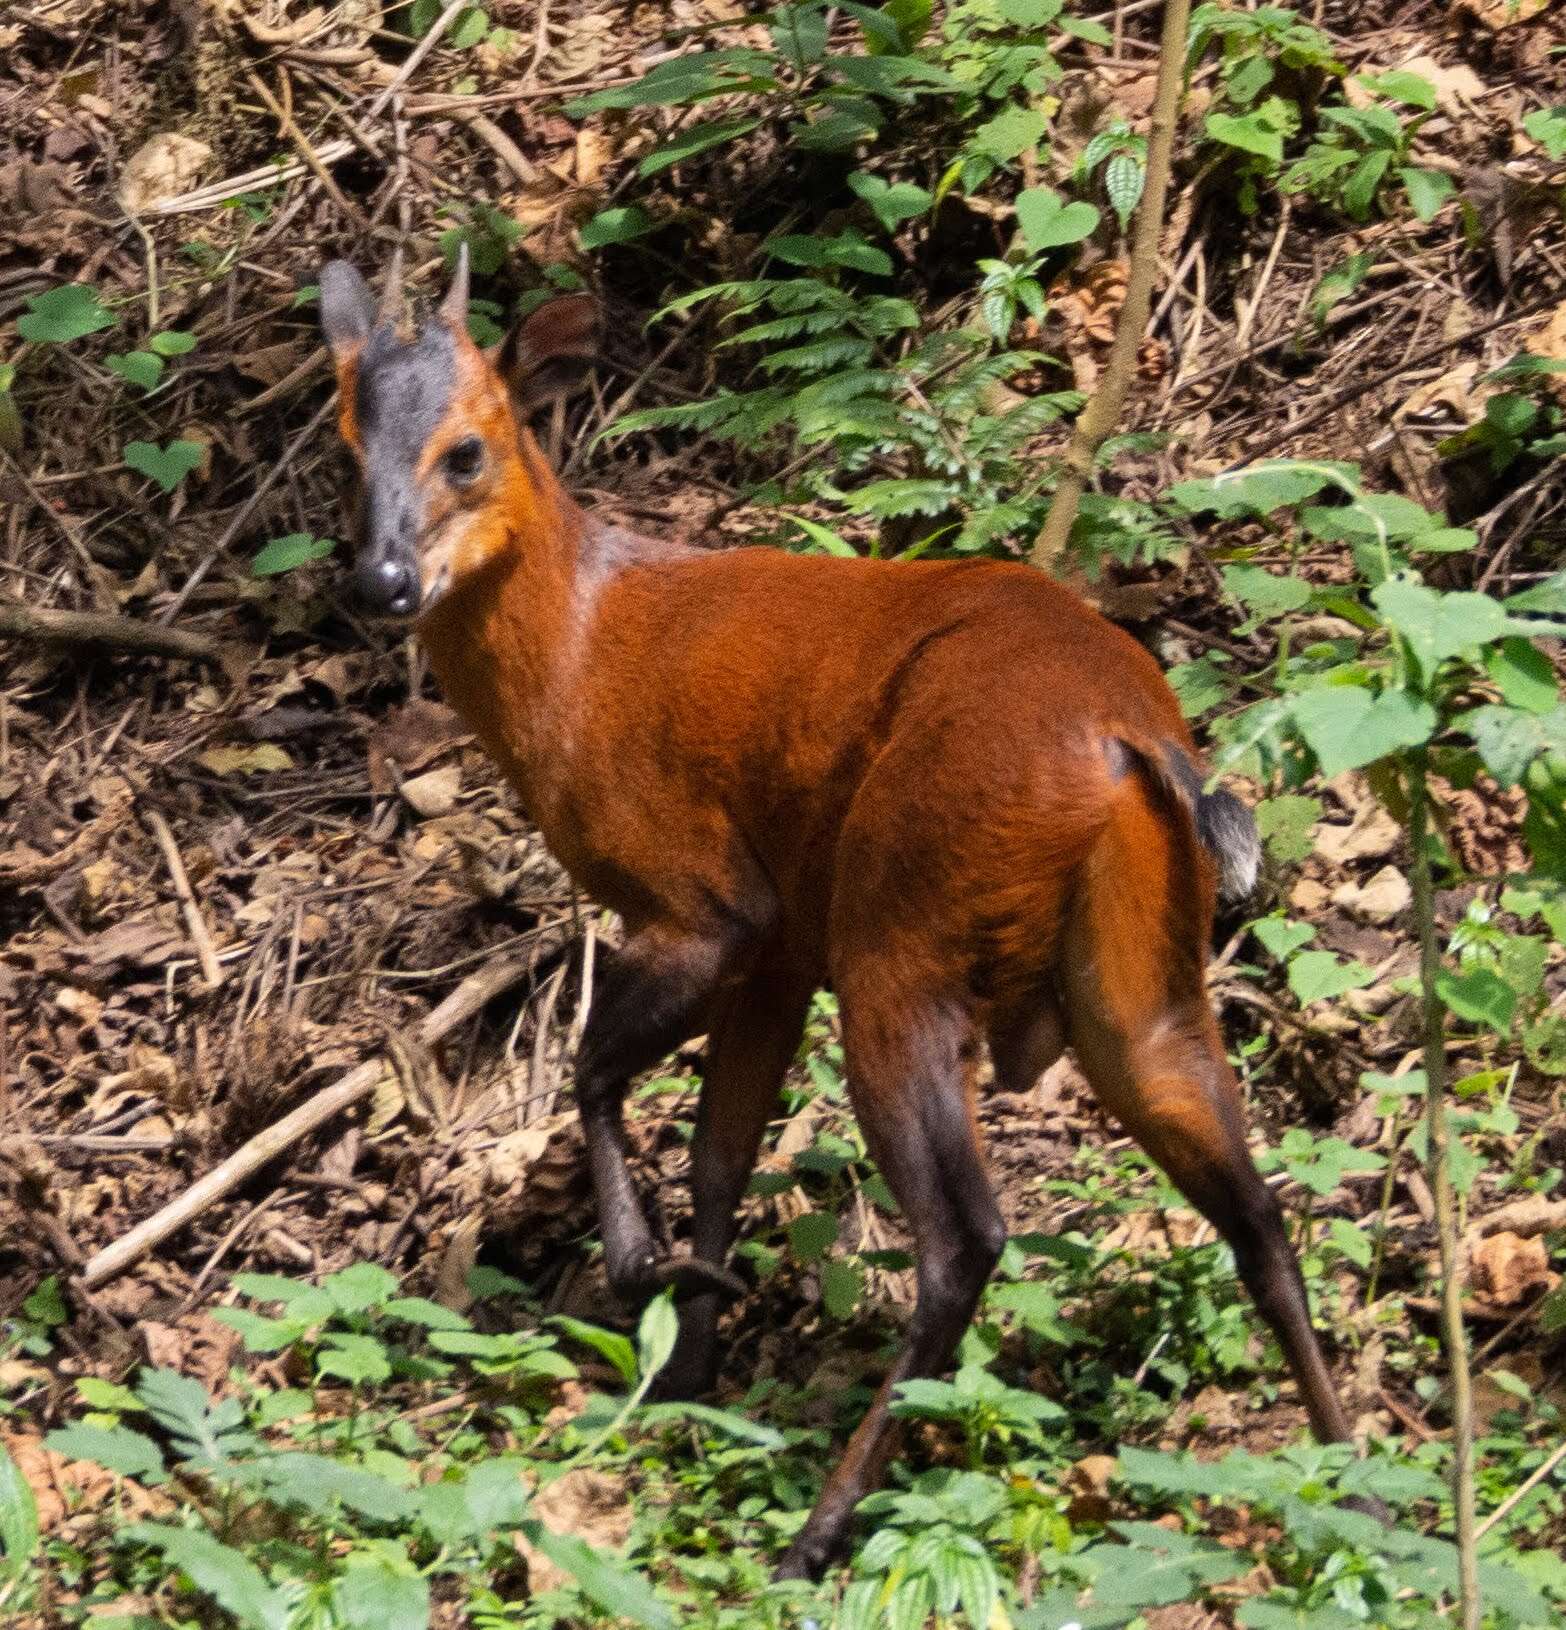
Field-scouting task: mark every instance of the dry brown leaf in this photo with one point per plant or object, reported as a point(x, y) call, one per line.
point(1371, 835)
point(1503, 13)
point(411, 738)
point(1379, 900)
point(1511, 1269)
point(1549, 340)
point(1453, 390)
point(588, 1504)
point(263, 756)
point(163, 167)
point(1458, 88)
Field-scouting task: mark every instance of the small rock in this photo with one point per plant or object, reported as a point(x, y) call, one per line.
point(1371, 835)
point(1308, 897)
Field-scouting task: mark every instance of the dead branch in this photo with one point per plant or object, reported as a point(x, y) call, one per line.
point(461, 1004)
point(51, 626)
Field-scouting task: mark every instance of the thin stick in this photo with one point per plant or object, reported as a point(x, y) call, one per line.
point(416, 56)
point(461, 1004)
point(246, 510)
point(1102, 413)
point(200, 935)
point(1437, 1156)
point(1533, 1480)
point(51, 626)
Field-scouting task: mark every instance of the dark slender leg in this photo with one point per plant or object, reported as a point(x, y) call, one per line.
point(654, 994)
point(907, 1078)
point(753, 1044)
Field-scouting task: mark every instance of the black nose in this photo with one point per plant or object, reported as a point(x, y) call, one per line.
point(386, 586)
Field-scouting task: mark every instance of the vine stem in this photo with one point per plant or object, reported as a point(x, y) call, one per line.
point(1438, 1164)
point(1102, 413)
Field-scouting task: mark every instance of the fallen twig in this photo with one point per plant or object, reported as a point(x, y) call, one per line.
point(265, 1146)
point(51, 626)
point(200, 936)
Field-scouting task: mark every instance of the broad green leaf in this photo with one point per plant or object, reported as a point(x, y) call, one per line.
point(1523, 675)
point(140, 368)
point(605, 1581)
point(59, 315)
point(322, 1485)
point(228, 1576)
point(1284, 824)
point(1250, 132)
point(620, 224)
point(284, 554)
point(490, 1498)
point(1428, 190)
point(1266, 593)
point(1338, 284)
point(116, 1448)
point(18, 1518)
point(469, 28)
point(891, 202)
point(728, 1421)
point(1359, 191)
point(359, 1288)
point(1436, 625)
point(358, 1360)
point(811, 1235)
point(1010, 133)
point(1124, 178)
point(1047, 222)
point(1317, 976)
point(841, 1283)
point(172, 342)
point(97, 1393)
point(1510, 740)
point(698, 139)
point(1261, 488)
point(1030, 13)
point(1281, 936)
point(1478, 995)
point(169, 465)
point(1345, 726)
point(1402, 86)
point(1547, 126)
point(1352, 1241)
point(371, 1594)
point(427, 1315)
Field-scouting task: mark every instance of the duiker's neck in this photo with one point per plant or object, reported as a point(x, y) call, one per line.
point(506, 644)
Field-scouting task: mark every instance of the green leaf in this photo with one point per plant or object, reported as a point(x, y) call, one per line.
point(1402, 86)
point(1265, 592)
point(1359, 191)
point(1047, 222)
point(1338, 284)
point(610, 1344)
point(469, 28)
point(172, 342)
point(1250, 132)
point(1428, 190)
point(1523, 675)
point(355, 1359)
point(116, 1448)
point(656, 1334)
point(891, 202)
point(1352, 1241)
point(321, 1485)
point(698, 139)
point(99, 1394)
point(606, 1582)
point(140, 368)
point(1317, 976)
point(1436, 625)
point(1478, 995)
point(18, 1518)
point(361, 1287)
point(1279, 935)
point(1010, 133)
point(620, 224)
point(1124, 178)
point(59, 315)
point(1284, 824)
point(841, 1283)
point(1345, 726)
point(1509, 739)
point(810, 1236)
point(229, 1577)
point(169, 465)
point(284, 554)
point(371, 1594)
point(1547, 126)
point(825, 539)
point(728, 1421)
point(490, 1498)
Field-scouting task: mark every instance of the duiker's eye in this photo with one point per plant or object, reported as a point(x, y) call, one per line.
point(464, 460)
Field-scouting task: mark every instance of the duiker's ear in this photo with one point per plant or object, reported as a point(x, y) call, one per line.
point(347, 308)
point(548, 353)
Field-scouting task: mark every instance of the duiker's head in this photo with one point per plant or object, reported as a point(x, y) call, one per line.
point(437, 425)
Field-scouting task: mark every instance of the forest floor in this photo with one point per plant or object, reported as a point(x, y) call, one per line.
point(234, 872)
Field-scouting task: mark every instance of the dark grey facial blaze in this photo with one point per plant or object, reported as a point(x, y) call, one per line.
point(403, 393)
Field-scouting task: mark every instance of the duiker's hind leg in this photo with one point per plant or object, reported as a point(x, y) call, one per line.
point(1161, 1071)
point(908, 1063)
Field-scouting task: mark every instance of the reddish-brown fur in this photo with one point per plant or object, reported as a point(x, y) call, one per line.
point(944, 788)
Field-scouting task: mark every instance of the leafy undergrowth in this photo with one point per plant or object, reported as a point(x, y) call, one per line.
point(384, 1461)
